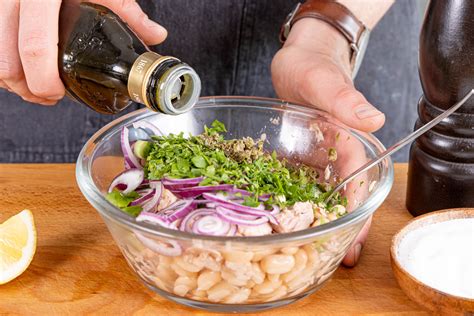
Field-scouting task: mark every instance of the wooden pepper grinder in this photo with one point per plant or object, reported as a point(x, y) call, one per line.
point(441, 170)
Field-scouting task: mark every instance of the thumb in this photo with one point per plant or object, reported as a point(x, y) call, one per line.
point(129, 10)
point(331, 90)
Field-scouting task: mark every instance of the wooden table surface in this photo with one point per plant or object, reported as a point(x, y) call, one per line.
point(78, 269)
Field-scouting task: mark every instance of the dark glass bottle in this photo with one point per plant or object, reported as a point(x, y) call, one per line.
point(441, 171)
point(104, 65)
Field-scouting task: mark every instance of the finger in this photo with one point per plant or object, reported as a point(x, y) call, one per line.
point(11, 72)
point(328, 88)
point(3, 85)
point(352, 257)
point(38, 46)
point(129, 11)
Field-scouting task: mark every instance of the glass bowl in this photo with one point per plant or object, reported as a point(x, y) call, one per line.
point(242, 274)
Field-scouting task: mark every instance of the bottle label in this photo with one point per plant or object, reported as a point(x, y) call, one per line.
point(140, 74)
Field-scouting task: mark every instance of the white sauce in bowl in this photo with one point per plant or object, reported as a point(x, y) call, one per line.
point(441, 255)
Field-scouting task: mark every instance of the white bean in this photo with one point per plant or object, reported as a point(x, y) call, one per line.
point(238, 256)
point(211, 259)
point(313, 256)
point(273, 277)
point(183, 285)
point(289, 250)
point(180, 271)
point(238, 297)
point(266, 287)
point(187, 265)
point(301, 258)
point(198, 294)
point(220, 291)
point(234, 278)
point(257, 276)
point(277, 264)
point(208, 279)
point(241, 267)
point(259, 255)
point(305, 276)
point(166, 275)
point(277, 294)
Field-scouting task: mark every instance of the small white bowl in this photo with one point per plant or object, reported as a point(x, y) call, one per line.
point(430, 298)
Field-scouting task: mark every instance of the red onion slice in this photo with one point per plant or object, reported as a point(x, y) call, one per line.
point(275, 210)
point(145, 197)
point(151, 204)
point(144, 125)
point(232, 231)
point(240, 208)
point(174, 184)
point(211, 225)
point(152, 218)
point(130, 160)
point(187, 222)
point(239, 219)
point(191, 192)
point(178, 210)
point(168, 248)
point(130, 179)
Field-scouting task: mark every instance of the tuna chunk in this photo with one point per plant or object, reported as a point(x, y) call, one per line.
point(167, 198)
point(260, 230)
point(297, 217)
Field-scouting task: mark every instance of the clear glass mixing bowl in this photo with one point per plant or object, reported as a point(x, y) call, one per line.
point(242, 274)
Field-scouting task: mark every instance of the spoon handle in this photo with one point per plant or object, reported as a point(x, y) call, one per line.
point(401, 143)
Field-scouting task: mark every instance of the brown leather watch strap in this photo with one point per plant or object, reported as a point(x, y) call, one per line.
point(338, 16)
point(333, 13)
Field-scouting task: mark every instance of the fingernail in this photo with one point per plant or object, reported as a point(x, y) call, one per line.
point(357, 250)
point(366, 111)
point(152, 24)
point(48, 103)
point(56, 97)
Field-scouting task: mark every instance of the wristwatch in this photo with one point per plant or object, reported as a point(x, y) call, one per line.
point(340, 18)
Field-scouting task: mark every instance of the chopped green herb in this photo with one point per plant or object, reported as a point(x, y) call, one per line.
point(132, 210)
point(199, 162)
point(332, 154)
point(141, 148)
point(241, 162)
point(123, 200)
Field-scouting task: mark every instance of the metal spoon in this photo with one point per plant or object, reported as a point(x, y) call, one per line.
point(401, 143)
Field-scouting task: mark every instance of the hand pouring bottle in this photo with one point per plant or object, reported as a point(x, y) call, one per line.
point(104, 65)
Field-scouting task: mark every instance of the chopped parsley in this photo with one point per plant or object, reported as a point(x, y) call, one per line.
point(122, 201)
point(241, 162)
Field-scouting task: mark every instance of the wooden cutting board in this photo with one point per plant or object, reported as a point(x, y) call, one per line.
point(78, 269)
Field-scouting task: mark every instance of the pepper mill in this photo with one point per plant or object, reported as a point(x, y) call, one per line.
point(441, 169)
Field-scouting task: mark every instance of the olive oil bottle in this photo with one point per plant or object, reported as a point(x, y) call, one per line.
point(104, 65)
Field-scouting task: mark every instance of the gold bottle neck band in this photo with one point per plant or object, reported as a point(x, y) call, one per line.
point(140, 74)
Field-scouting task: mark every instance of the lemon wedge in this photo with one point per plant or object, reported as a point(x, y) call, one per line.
point(17, 245)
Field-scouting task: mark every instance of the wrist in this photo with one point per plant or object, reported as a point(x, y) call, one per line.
point(322, 38)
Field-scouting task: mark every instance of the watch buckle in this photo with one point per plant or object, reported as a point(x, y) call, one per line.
point(286, 27)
